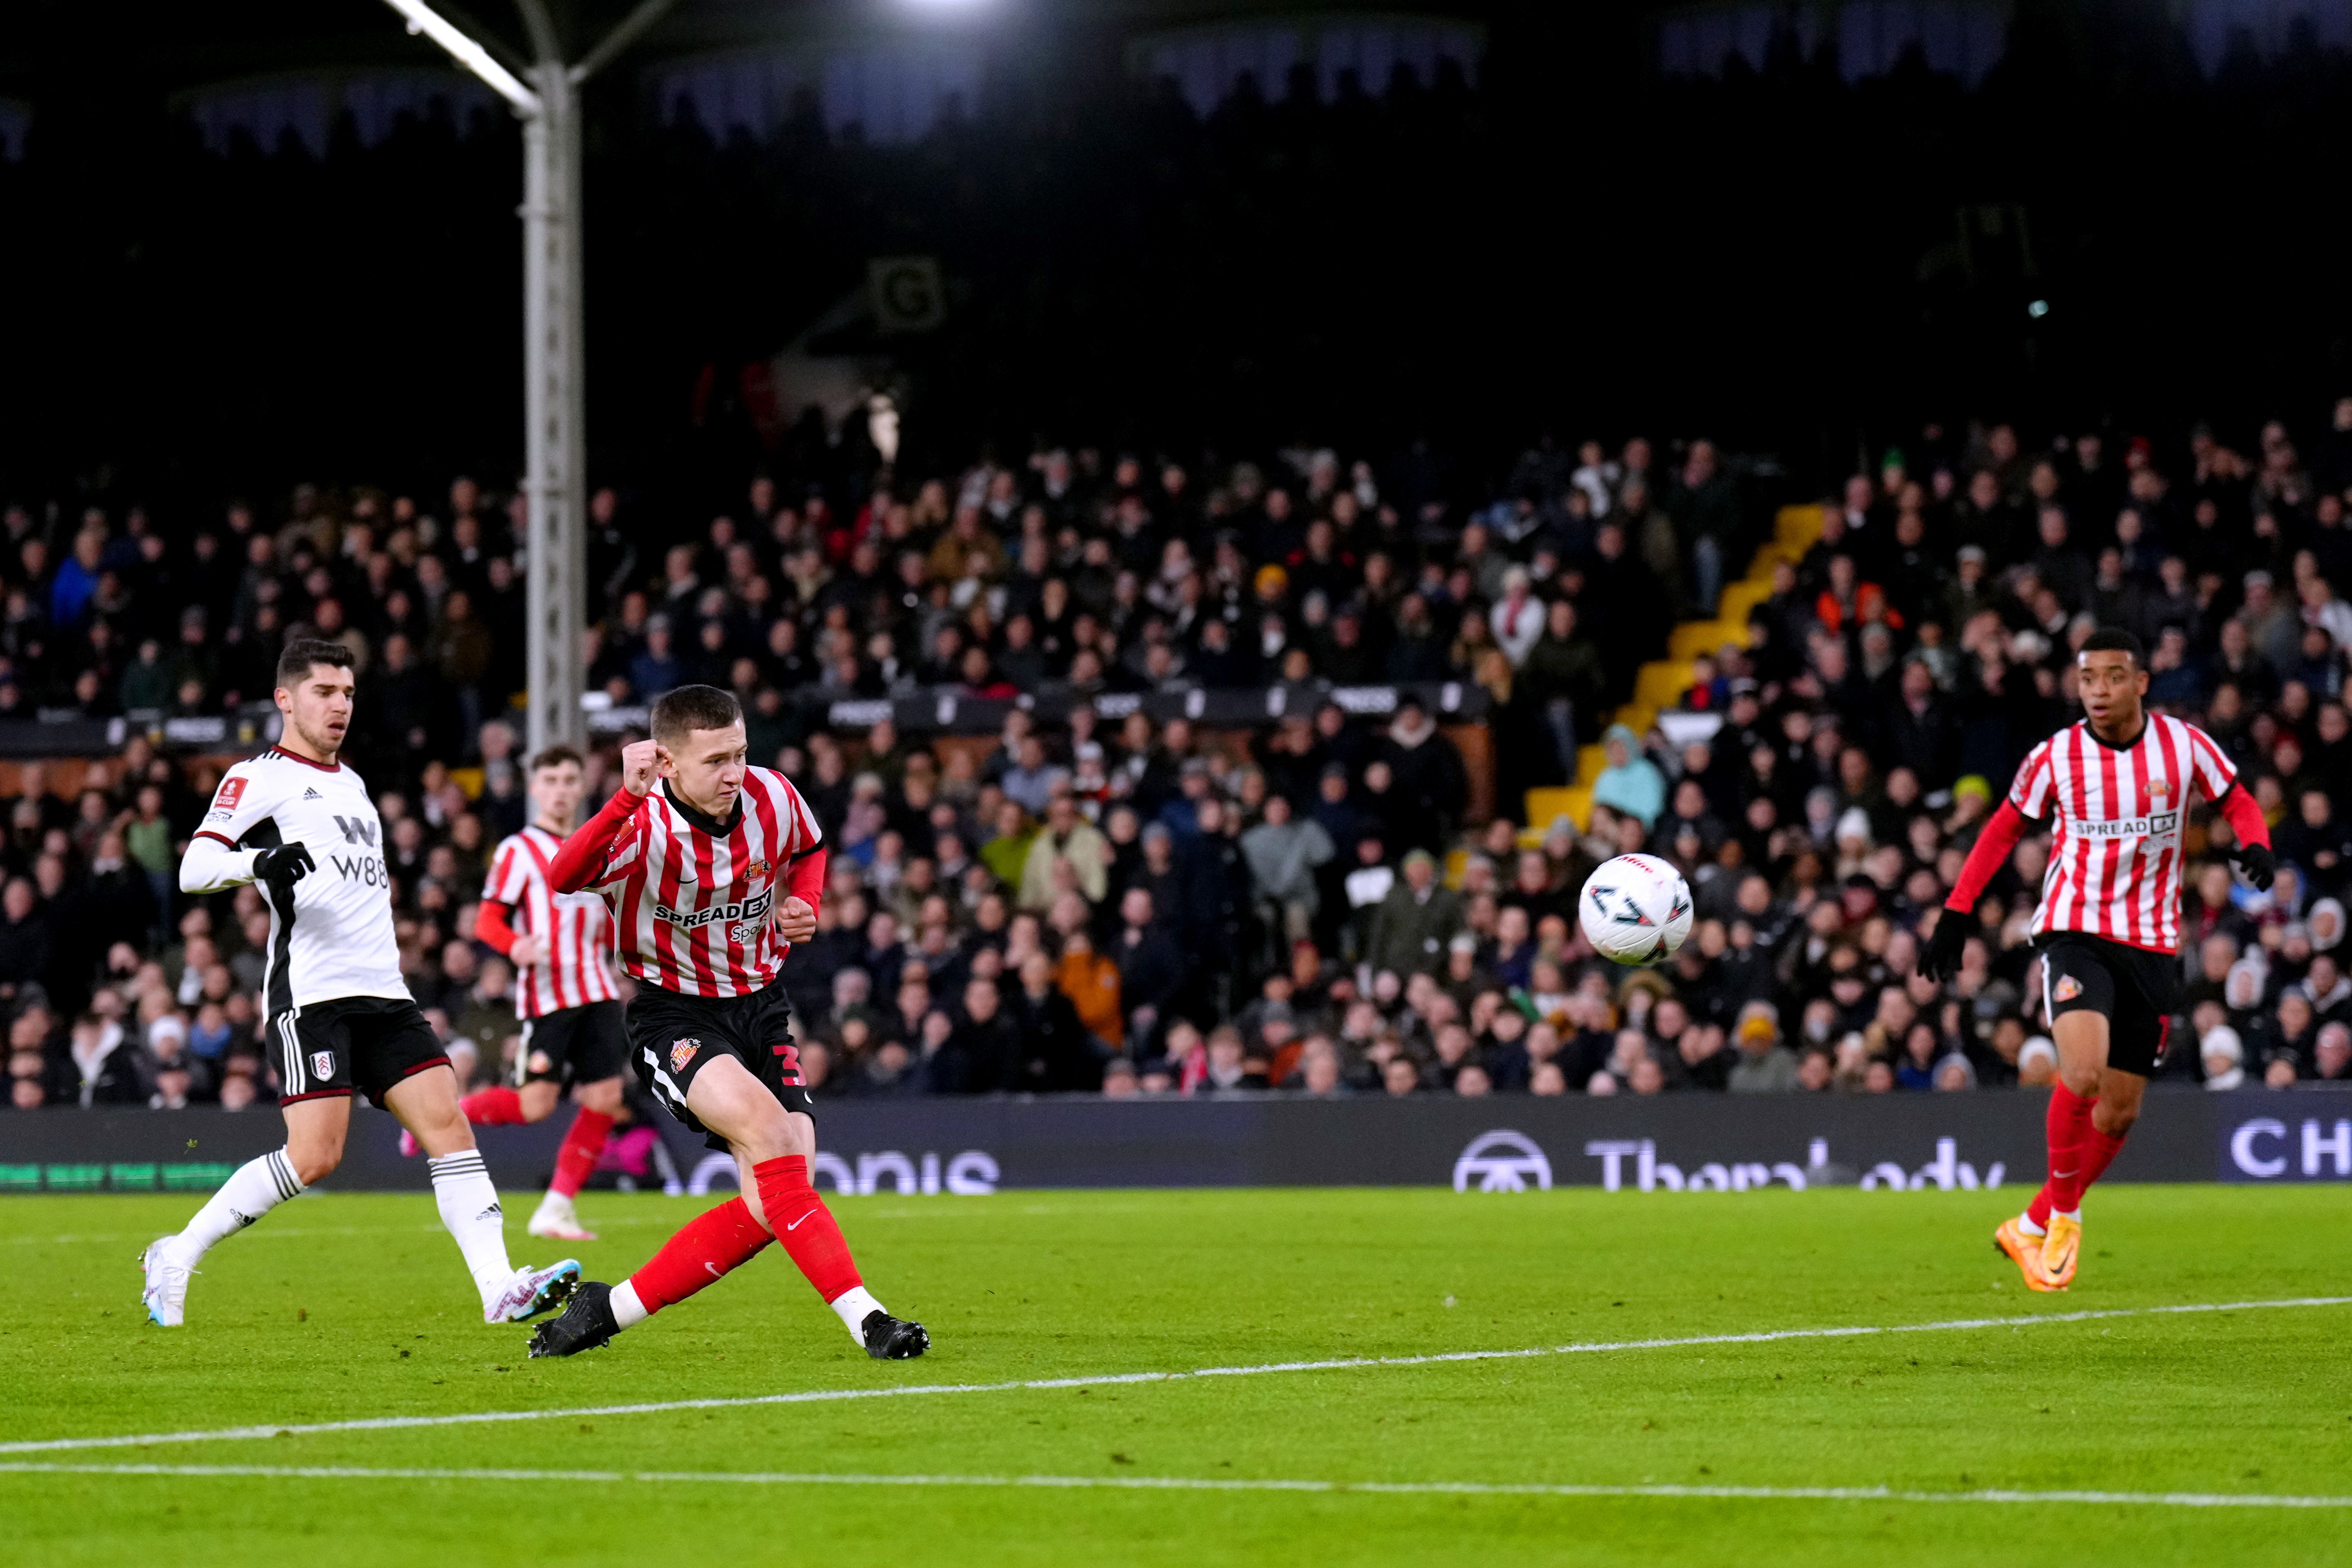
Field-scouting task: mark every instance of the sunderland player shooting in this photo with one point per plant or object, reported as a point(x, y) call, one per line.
point(692, 853)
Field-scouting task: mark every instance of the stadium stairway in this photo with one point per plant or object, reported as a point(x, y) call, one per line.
point(1662, 683)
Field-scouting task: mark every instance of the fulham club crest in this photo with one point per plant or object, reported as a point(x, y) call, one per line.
point(322, 1064)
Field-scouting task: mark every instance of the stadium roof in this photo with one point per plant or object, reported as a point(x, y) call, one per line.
point(51, 50)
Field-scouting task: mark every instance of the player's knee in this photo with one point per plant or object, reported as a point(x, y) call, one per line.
point(314, 1161)
point(800, 1134)
point(773, 1135)
point(603, 1096)
point(2117, 1108)
point(537, 1101)
point(2079, 1080)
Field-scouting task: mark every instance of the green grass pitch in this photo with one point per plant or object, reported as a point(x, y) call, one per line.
point(343, 1308)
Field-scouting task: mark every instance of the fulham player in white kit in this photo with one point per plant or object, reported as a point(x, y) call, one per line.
point(561, 945)
point(2115, 788)
point(691, 864)
point(339, 1021)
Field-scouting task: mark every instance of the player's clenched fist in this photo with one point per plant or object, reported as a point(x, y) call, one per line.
point(795, 922)
point(637, 766)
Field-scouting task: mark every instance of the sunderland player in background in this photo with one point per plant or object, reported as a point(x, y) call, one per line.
point(338, 1017)
point(561, 945)
point(2116, 787)
point(690, 866)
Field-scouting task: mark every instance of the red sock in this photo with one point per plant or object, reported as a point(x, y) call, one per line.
point(2099, 1153)
point(706, 1247)
point(493, 1108)
point(577, 1158)
point(803, 1223)
point(2069, 1129)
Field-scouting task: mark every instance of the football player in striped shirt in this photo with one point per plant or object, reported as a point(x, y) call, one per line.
point(2115, 788)
point(689, 854)
point(561, 945)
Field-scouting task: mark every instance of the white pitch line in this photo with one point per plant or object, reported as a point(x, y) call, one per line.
point(1103, 1380)
point(1201, 1484)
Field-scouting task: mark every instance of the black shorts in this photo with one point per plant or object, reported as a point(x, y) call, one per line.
point(2138, 991)
point(671, 1037)
point(355, 1044)
point(574, 1046)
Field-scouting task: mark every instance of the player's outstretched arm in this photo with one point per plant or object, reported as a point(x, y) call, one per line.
point(585, 854)
point(2252, 851)
point(1941, 959)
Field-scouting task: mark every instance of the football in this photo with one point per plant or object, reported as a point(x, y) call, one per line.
point(1635, 909)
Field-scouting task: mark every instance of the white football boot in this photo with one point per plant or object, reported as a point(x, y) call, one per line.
point(532, 1291)
point(166, 1295)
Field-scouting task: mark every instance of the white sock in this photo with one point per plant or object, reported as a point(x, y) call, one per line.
point(852, 1304)
point(555, 1206)
point(2025, 1224)
point(252, 1190)
point(2075, 1215)
point(627, 1311)
point(469, 1207)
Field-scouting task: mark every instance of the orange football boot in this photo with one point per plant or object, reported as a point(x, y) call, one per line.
point(2025, 1250)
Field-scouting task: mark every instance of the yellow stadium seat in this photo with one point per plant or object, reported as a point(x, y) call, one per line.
point(1543, 804)
point(1546, 806)
point(1741, 598)
point(1661, 683)
point(1590, 761)
point(1693, 638)
point(1798, 528)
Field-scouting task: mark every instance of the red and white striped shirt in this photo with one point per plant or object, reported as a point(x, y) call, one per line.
point(695, 909)
point(2114, 858)
point(576, 929)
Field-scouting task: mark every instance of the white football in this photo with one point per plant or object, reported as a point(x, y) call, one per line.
point(1635, 909)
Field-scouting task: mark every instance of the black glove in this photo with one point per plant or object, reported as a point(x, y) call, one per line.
point(1942, 959)
point(2257, 862)
point(283, 867)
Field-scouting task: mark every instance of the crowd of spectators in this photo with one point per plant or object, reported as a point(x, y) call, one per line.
point(1132, 906)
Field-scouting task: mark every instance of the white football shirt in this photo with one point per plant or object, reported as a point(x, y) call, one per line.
point(330, 936)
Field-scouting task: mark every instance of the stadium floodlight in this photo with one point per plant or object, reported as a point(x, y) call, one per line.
point(422, 19)
point(555, 408)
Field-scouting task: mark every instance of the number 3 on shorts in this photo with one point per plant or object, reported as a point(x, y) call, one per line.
point(791, 1054)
